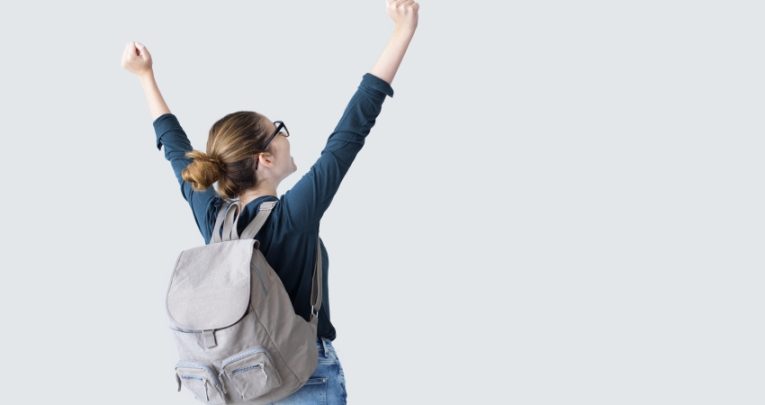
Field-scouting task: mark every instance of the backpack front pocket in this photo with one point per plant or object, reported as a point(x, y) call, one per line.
point(201, 380)
point(250, 374)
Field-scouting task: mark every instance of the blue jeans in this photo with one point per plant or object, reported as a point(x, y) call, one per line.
point(326, 386)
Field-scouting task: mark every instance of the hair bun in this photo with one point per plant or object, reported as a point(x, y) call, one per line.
point(216, 161)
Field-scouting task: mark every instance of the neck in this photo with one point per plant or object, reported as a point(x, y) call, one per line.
point(253, 193)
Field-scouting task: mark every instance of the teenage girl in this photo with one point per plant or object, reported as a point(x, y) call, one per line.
point(248, 155)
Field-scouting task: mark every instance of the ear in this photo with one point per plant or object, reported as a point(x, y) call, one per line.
point(266, 159)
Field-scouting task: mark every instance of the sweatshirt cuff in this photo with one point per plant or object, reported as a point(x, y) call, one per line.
point(162, 124)
point(374, 82)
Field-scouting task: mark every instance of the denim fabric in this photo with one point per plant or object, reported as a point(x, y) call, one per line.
point(326, 386)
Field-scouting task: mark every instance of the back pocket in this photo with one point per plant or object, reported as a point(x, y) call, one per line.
point(201, 380)
point(250, 373)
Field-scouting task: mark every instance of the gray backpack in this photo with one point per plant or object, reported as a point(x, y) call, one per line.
point(239, 339)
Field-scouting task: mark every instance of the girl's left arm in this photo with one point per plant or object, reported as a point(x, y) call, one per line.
point(204, 203)
point(157, 105)
point(137, 60)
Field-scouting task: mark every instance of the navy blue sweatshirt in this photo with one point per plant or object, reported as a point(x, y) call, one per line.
point(288, 238)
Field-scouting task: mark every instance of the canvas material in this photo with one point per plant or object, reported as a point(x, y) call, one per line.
point(239, 339)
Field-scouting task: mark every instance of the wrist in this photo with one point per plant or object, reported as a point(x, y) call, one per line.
point(146, 76)
point(403, 31)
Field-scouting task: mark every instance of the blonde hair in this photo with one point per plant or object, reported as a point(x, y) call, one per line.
point(232, 147)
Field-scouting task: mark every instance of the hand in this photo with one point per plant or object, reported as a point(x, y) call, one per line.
point(136, 58)
point(403, 13)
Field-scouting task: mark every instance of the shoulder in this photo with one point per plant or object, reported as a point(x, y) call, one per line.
point(216, 204)
point(283, 211)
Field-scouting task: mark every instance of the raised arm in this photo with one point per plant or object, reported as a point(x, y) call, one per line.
point(307, 201)
point(157, 106)
point(405, 15)
point(137, 59)
point(169, 133)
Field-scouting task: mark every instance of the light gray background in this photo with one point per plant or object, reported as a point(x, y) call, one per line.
point(561, 204)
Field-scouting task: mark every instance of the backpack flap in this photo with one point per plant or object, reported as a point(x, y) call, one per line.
point(210, 286)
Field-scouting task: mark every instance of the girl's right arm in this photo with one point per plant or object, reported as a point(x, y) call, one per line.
point(405, 14)
point(306, 202)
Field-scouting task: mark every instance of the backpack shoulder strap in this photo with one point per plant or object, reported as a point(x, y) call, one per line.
point(229, 222)
point(316, 287)
point(264, 210)
point(222, 220)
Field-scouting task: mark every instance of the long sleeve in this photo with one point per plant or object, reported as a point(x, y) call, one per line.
point(306, 202)
point(170, 134)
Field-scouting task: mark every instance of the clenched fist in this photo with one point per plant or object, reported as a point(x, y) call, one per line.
point(136, 58)
point(403, 13)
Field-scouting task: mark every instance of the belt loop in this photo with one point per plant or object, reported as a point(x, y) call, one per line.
point(324, 346)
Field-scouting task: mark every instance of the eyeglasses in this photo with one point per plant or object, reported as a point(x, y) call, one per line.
point(279, 127)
